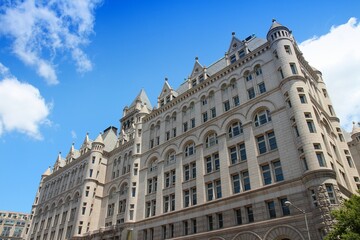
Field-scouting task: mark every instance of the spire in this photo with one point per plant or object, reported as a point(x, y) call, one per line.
point(47, 172)
point(99, 139)
point(275, 24)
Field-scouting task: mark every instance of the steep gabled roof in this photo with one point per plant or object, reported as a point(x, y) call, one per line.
point(166, 89)
point(235, 44)
point(143, 98)
point(197, 69)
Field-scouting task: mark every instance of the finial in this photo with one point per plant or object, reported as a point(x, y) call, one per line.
point(87, 133)
point(73, 143)
point(59, 152)
point(196, 58)
point(166, 79)
point(273, 20)
point(233, 33)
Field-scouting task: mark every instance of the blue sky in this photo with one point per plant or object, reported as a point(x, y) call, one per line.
point(70, 69)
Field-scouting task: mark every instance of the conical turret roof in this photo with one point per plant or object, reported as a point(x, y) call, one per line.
point(99, 139)
point(143, 98)
point(47, 172)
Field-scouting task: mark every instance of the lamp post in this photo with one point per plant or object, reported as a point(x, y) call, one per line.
point(288, 203)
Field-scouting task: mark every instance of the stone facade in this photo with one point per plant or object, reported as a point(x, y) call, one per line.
point(218, 158)
point(14, 225)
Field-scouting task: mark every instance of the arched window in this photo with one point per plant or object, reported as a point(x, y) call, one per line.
point(123, 189)
point(235, 129)
point(112, 193)
point(262, 117)
point(248, 76)
point(189, 149)
point(211, 140)
point(257, 70)
point(171, 157)
point(152, 165)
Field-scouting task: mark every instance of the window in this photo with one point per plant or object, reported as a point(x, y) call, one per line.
point(241, 53)
point(186, 227)
point(152, 185)
point(205, 116)
point(212, 162)
point(174, 132)
point(285, 209)
point(236, 183)
point(232, 59)
point(167, 135)
point(235, 129)
point(194, 225)
point(214, 190)
point(250, 214)
point(248, 76)
point(278, 171)
point(169, 178)
point(262, 117)
point(192, 122)
point(210, 222)
point(331, 193)
point(281, 73)
point(263, 145)
point(350, 162)
point(189, 149)
point(238, 218)
point(251, 93)
point(262, 87)
point(236, 100)
point(150, 208)
point(237, 153)
point(271, 209)
point(213, 112)
point(189, 171)
point(163, 231)
point(266, 172)
point(258, 70)
point(321, 159)
point(110, 209)
point(226, 105)
point(186, 198)
point(293, 68)
point(133, 189)
point(220, 220)
point(302, 98)
point(287, 49)
point(169, 203)
point(185, 126)
point(246, 180)
point(211, 140)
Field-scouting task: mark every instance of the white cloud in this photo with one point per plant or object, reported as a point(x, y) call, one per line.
point(73, 134)
point(337, 55)
point(41, 29)
point(22, 108)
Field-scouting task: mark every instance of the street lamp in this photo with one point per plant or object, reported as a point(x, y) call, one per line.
point(288, 203)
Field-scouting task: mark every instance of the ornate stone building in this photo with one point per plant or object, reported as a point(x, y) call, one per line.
point(13, 225)
point(220, 157)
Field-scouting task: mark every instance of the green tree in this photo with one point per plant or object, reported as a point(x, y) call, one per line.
point(347, 224)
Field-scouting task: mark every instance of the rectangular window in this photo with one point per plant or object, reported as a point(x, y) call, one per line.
point(293, 68)
point(262, 87)
point(186, 227)
point(233, 155)
point(236, 100)
point(226, 105)
point(232, 59)
point(193, 196)
point(212, 163)
point(272, 140)
point(194, 225)
point(311, 126)
point(174, 132)
point(250, 214)
point(313, 197)
point(251, 93)
point(266, 174)
point(236, 183)
point(278, 171)
point(205, 116)
point(302, 98)
point(331, 193)
point(210, 222)
point(287, 49)
point(321, 159)
point(213, 112)
point(186, 173)
point(271, 209)
point(210, 191)
point(238, 218)
point(192, 122)
point(163, 231)
point(242, 152)
point(261, 144)
point(186, 198)
point(218, 188)
point(350, 162)
point(220, 220)
point(285, 209)
point(193, 170)
point(242, 53)
point(281, 73)
point(185, 126)
point(246, 180)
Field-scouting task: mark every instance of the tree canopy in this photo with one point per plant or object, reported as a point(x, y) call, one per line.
point(347, 224)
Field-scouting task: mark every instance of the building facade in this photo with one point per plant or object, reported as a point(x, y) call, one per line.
point(354, 146)
point(220, 157)
point(14, 225)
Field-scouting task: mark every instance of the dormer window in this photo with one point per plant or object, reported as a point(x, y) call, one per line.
point(242, 53)
point(193, 82)
point(232, 58)
point(201, 78)
point(168, 99)
point(162, 102)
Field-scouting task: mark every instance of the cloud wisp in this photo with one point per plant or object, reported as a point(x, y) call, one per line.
point(337, 55)
point(22, 108)
point(39, 30)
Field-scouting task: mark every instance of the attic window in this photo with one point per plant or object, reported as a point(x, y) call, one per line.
point(164, 90)
point(232, 58)
point(196, 69)
point(193, 82)
point(241, 53)
point(201, 78)
point(234, 45)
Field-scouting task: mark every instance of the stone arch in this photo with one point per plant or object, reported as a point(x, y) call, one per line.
point(232, 118)
point(248, 235)
point(167, 149)
point(283, 232)
point(258, 106)
point(204, 132)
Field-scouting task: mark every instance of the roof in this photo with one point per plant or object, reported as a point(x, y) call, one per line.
point(274, 24)
point(142, 97)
